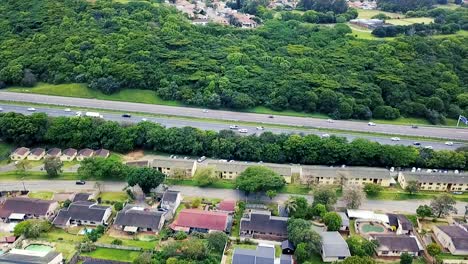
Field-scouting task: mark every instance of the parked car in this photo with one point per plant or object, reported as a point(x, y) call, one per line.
point(233, 126)
point(395, 139)
point(449, 143)
point(31, 109)
point(243, 130)
point(127, 115)
point(80, 182)
point(371, 124)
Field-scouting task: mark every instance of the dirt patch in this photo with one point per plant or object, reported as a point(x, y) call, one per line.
point(134, 155)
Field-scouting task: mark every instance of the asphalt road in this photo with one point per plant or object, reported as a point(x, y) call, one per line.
point(407, 206)
point(437, 132)
point(175, 122)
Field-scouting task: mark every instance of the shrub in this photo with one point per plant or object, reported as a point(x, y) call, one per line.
point(180, 235)
point(116, 242)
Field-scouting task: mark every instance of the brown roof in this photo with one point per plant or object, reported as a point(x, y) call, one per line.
point(86, 152)
point(54, 152)
point(194, 218)
point(102, 153)
point(21, 151)
point(69, 152)
point(37, 152)
point(27, 206)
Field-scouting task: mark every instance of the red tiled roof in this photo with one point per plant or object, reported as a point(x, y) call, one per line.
point(227, 205)
point(8, 239)
point(201, 219)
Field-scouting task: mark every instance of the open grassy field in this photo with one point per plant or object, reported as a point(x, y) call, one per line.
point(113, 254)
point(64, 242)
point(364, 13)
point(41, 195)
point(399, 194)
point(35, 175)
point(410, 21)
point(114, 196)
point(106, 239)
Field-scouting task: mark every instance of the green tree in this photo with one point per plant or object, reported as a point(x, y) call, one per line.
point(319, 210)
point(353, 196)
point(118, 206)
point(301, 208)
point(66, 203)
point(271, 194)
point(300, 231)
point(290, 205)
point(100, 168)
point(372, 190)
point(333, 221)
point(302, 252)
point(22, 166)
point(32, 228)
point(144, 258)
point(217, 241)
point(412, 187)
point(259, 179)
point(433, 249)
point(359, 246)
point(205, 176)
point(443, 205)
point(325, 196)
point(424, 211)
point(406, 258)
point(53, 166)
point(146, 178)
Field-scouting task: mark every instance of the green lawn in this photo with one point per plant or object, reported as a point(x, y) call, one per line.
point(295, 189)
point(80, 90)
point(106, 239)
point(399, 194)
point(114, 196)
point(450, 256)
point(365, 13)
point(410, 21)
point(5, 151)
point(267, 111)
point(113, 254)
point(35, 175)
point(41, 195)
point(64, 242)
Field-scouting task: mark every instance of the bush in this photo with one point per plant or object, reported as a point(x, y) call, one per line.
point(372, 189)
point(180, 235)
point(386, 112)
point(116, 242)
point(118, 206)
point(86, 247)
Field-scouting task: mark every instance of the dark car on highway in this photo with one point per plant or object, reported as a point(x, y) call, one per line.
point(127, 115)
point(80, 182)
point(417, 144)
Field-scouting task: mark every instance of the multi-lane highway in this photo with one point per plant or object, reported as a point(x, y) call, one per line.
point(179, 122)
point(422, 131)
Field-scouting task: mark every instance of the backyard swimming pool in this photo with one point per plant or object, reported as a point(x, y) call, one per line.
point(375, 228)
point(85, 231)
point(39, 248)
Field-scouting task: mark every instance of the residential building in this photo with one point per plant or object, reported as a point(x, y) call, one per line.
point(287, 247)
point(401, 223)
point(189, 220)
point(453, 238)
point(170, 201)
point(68, 154)
point(367, 23)
point(231, 169)
point(18, 209)
point(133, 219)
point(261, 225)
point(319, 175)
point(20, 153)
point(395, 245)
point(138, 163)
point(81, 197)
point(263, 254)
point(334, 247)
point(24, 256)
point(103, 153)
point(83, 213)
point(344, 222)
point(430, 181)
point(367, 215)
point(84, 154)
point(227, 206)
point(54, 153)
point(36, 154)
point(181, 168)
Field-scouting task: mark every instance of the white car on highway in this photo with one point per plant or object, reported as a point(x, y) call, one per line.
point(1, 109)
point(243, 130)
point(67, 110)
point(144, 119)
point(325, 135)
point(205, 111)
point(330, 120)
point(395, 139)
point(449, 143)
point(428, 147)
point(31, 109)
point(233, 126)
point(371, 124)
point(260, 128)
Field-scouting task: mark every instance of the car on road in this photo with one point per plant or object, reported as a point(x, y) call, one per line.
point(428, 147)
point(67, 110)
point(31, 109)
point(233, 127)
point(414, 126)
point(395, 139)
point(457, 193)
point(371, 124)
point(330, 120)
point(260, 128)
point(205, 111)
point(127, 115)
point(449, 143)
point(417, 144)
point(325, 135)
point(144, 119)
point(1, 109)
point(271, 116)
point(243, 130)
point(80, 182)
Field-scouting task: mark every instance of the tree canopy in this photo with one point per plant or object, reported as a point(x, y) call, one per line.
point(259, 179)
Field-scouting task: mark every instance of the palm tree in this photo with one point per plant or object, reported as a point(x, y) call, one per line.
point(290, 205)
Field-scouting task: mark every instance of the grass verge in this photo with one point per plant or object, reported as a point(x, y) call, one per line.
point(106, 239)
point(41, 195)
point(398, 195)
point(114, 196)
point(113, 254)
point(35, 175)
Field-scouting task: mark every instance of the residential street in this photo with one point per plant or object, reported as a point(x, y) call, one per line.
point(408, 206)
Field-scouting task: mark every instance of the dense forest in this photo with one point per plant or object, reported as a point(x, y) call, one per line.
point(78, 132)
point(281, 65)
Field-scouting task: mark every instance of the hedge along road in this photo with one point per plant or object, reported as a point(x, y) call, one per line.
point(422, 131)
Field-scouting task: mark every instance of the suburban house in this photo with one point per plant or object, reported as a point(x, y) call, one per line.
point(18, 209)
point(184, 168)
point(82, 197)
point(286, 259)
point(189, 220)
point(170, 201)
point(454, 238)
point(83, 213)
point(84, 153)
point(367, 23)
point(227, 206)
point(68, 154)
point(103, 153)
point(54, 153)
point(287, 247)
point(263, 254)
point(367, 215)
point(433, 181)
point(344, 222)
point(36, 154)
point(395, 245)
point(334, 247)
point(231, 169)
point(402, 225)
point(138, 163)
point(134, 219)
point(261, 225)
point(346, 175)
point(20, 153)
point(24, 256)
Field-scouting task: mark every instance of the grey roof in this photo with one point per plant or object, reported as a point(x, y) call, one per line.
point(27, 205)
point(333, 245)
point(37, 152)
point(261, 255)
point(102, 153)
point(69, 152)
point(81, 197)
point(169, 196)
point(397, 243)
point(173, 163)
point(86, 152)
point(139, 163)
point(54, 152)
point(286, 259)
point(458, 235)
point(287, 244)
point(437, 177)
point(344, 219)
point(393, 220)
point(238, 166)
point(27, 259)
point(405, 222)
point(130, 216)
point(346, 172)
point(82, 210)
point(260, 221)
